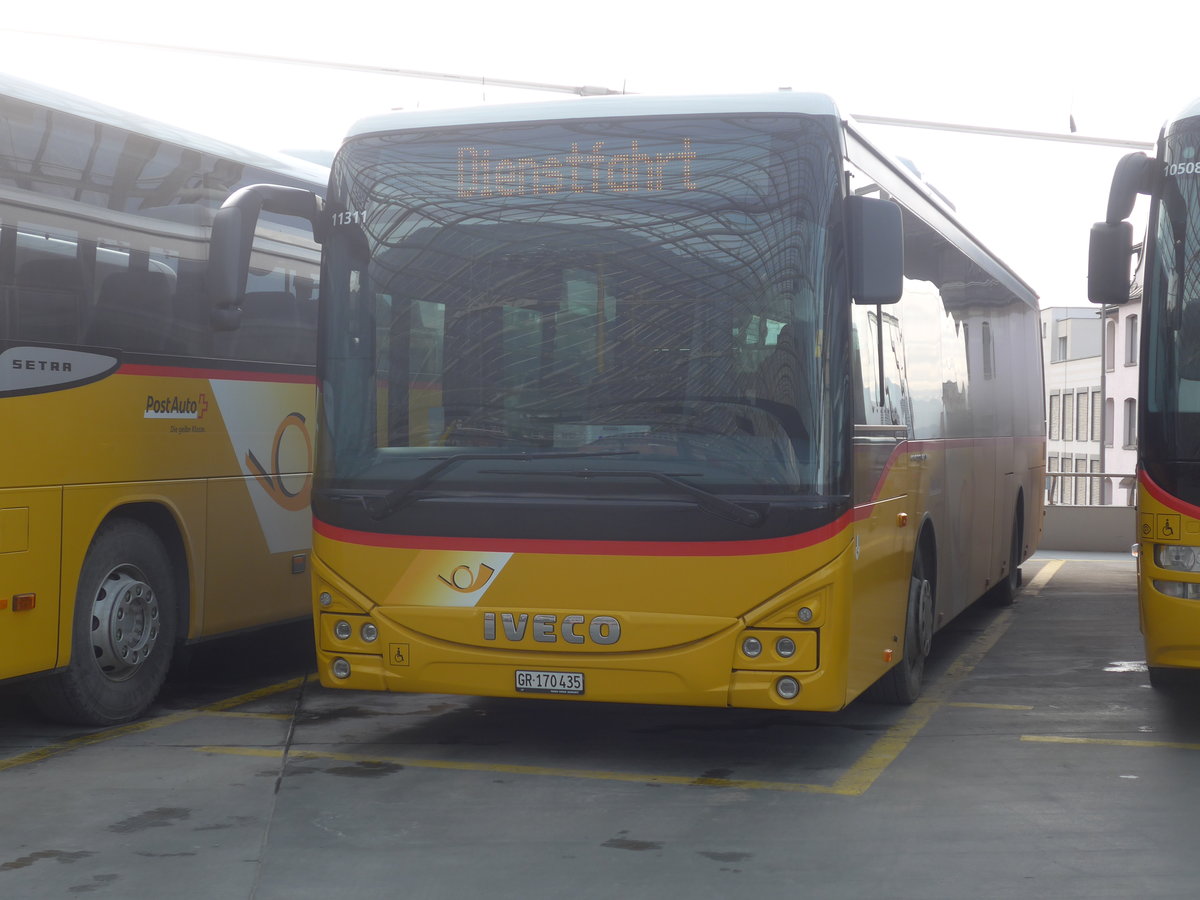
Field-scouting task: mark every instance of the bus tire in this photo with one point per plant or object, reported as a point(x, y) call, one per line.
point(901, 684)
point(1165, 679)
point(1005, 593)
point(123, 632)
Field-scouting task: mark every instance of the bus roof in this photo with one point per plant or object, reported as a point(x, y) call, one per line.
point(599, 107)
point(1191, 111)
point(72, 104)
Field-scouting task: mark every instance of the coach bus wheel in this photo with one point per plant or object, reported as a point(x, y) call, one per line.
point(123, 634)
point(902, 683)
point(1167, 680)
point(1005, 593)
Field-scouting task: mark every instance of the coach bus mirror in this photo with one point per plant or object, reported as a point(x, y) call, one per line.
point(233, 237)
point(1110, 253)
point(876, 252)
point(1134, 175)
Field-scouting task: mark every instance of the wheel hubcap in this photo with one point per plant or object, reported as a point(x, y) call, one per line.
point(125, 622)
point(923, 595)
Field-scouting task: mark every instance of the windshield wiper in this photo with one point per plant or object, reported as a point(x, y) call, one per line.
point(706, 500)
point(393, 500)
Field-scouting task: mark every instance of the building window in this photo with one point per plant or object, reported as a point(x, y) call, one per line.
point(1068, 417)
point(1130, 423)
point(1097, 405)
point(1110, 412)
point(1081, 416)
point(1131, 341)
point(1110, 345)
point(1081, 484)
point(1055, 413)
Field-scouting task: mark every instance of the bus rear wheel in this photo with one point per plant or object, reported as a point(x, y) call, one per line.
point(901, 684)
point(1005, 593)
point(123, 632)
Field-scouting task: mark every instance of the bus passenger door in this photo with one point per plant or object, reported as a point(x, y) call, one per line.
point(30, 541)
point(882, 547)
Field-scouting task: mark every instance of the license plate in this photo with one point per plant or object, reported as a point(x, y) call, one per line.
point(530, 681)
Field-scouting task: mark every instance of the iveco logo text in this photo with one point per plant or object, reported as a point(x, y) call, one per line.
point(546, 628)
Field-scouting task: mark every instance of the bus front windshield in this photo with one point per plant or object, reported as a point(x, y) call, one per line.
point(584, 311)
point(1172, 307)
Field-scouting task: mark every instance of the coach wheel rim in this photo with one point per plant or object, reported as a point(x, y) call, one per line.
point(125, 622)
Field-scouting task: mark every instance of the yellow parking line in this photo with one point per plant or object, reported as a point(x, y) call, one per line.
point(511, 769)
point(1012, 706)
point(856, 781)
point(228, 714)
point(860, 776)
point(1108, 742)
point(108, 734)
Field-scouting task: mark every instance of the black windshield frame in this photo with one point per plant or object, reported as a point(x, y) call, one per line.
point(694, 327)
point(1169, 427)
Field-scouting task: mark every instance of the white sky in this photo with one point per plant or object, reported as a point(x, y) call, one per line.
point(1021, 64)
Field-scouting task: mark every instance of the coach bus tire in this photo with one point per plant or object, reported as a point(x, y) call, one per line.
point(1166, 679)
point(901, 685)
point(123, 633)
point(1005, 593)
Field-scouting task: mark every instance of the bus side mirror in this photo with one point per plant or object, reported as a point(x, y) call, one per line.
point(1110, 253)
point(233, 237)
point(876, 236)
point(1110, 249)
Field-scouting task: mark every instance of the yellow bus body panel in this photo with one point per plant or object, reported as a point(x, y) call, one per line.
point(231, 469)
point(682, 618)
point(1170, 625)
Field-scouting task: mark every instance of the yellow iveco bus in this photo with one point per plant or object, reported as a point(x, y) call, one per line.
point(659, 400)
point(156, 462)
point(1168, 446)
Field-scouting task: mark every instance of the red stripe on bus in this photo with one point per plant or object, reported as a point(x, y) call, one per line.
point(215, 374)
point(1168, 500)
point(588, 548)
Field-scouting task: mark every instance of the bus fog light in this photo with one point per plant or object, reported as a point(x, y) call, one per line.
point(785, 647)
point(325, 598)
point(805, 614)
point(752, 647)
point(1184, 590)
point(342, 630)
point(787, 687)
point(368, 632)
point(341, 668)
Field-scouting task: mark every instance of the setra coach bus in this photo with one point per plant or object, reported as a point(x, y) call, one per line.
point(157, 458)
point(1168, 445)
point(659, 400)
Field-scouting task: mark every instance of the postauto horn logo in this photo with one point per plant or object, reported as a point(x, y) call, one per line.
point(271, 480)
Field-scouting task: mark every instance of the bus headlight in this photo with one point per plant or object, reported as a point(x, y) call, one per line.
point(341, 668)
point(752, 647)
point(369, 632)
point(1176, 557)
point(785, 647)
point(787, 687)
point(342, 630)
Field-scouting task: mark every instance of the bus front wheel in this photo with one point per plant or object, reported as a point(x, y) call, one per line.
point(901, 684)
point(123, 632)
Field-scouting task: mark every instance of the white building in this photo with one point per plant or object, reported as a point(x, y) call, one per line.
point(1121, 360)
point(1091, 393)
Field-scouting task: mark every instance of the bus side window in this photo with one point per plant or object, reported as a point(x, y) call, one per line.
point(132, 312)
point(276, 326)
point(49, 301)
